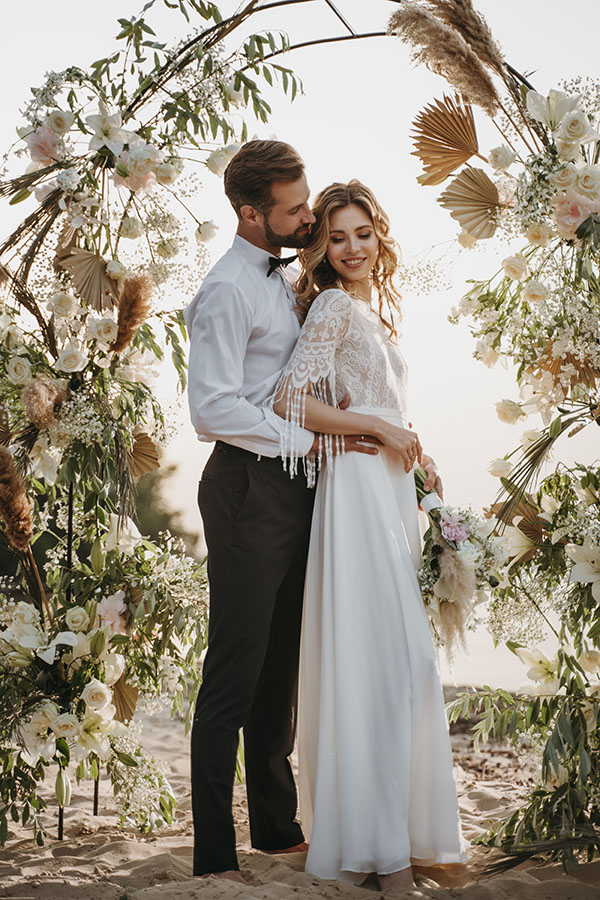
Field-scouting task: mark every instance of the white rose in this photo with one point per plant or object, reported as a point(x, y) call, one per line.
point(500, 468)
point(588, 181)
point(218, 161)
point(509, 412)
point(500, 158)
point(142, 158)
point(168, 248)
point(466, 240)
point(564, 178)
point(25, 613)
point(60, 121)
point(43, 714)
point(96, 695)
point(131, 227)
point(103, 330)
point(18, 370)
point(539, 234)
point(77, 619)
point(568, 152)
point(206, 231)
point(575, 128)
point(66, 725)
point(116, 270)
point(71, 359)
point(515, 267)
point(114, 666)
point(68, 180)
point(529, 437)
point(63, 304)
point(169, 171)
point(534, 292)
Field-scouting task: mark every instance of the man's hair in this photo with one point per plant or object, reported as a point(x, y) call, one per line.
point(253, 170)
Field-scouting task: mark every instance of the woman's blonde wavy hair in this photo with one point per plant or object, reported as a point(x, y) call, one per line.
point(317, 273)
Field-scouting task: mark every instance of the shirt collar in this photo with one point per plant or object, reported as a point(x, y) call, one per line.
point(253, 254)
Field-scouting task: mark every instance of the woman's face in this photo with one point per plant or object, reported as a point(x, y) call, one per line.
point(353, 245)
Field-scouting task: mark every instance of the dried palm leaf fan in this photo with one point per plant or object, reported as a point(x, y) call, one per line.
point(528, 521)
point(5, 433)
point(472, 199)
point(584, 373)
point(444, 138)
point(143, 456)
point(125, 698)
point(87, 271)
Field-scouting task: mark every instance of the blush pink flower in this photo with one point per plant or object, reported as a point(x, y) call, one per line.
point(136, 182)
point(454, 529)
point(570, 210)
point(111, 611)
point(44, 145)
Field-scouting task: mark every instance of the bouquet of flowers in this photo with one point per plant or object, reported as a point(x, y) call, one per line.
point(462, 559)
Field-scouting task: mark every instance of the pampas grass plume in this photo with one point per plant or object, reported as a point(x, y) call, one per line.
point(39, 398)
point(134, 307)
point(15, 508)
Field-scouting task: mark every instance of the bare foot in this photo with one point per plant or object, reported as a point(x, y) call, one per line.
point(401, 879)
point(297, 848)
point(229, 875)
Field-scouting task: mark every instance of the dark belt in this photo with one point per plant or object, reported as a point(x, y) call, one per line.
point(231, 449)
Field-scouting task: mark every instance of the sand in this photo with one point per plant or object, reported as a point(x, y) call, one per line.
point(98, 861)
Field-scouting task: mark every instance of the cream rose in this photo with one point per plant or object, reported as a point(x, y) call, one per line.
point(131, 227)
point(60, 121)
point(167, 248)
point(217, 161)
point(575, 128)
point(43, 714)
point(142, 158)
point(77, 619)
point(96, 695)
point(564, 178)
point(509, 412)
point(486, 353)
point(500, 158)
point(18, 370)
point(590, 661)
point(116, 270)
point(63, 304)
point(206, 231)
point(169, 171)
point(103, 330)
point(568, 152)
point(530, 437)
point(71, 359)
point(25, 613)
point(66, 725)
point(588, 181)
point(534, 292)
point(500, 468)
point(516, 267)
point(539, 234)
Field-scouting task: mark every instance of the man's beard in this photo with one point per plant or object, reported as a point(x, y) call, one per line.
point(299, 238)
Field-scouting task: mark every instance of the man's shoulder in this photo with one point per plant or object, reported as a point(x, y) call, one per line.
point(230, 277)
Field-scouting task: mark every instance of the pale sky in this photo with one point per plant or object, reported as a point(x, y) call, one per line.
point(354, 121)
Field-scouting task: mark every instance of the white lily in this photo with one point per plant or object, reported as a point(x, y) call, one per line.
point(48, 654)
point(586, 570)
point(107, 130)
point(549, 506)
point(552, 109)
point(541, 668)
point(517, 542)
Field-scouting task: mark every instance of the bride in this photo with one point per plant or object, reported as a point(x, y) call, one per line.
point(375, 766)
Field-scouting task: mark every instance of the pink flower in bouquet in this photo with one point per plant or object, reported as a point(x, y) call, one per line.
point(111, 611)
point(570, 210)
point(136, 182)
point(44, 145)
point(453, 528)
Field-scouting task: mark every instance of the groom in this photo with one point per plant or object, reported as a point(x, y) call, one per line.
point(243, 328)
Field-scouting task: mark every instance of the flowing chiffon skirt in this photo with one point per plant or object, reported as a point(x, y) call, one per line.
point(375, 764)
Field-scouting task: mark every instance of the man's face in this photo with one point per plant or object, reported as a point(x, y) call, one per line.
point(287, 224)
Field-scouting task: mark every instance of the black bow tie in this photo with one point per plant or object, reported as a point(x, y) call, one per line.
point(276, 261)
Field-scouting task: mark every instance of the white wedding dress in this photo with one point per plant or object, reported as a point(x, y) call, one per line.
point(375, 764)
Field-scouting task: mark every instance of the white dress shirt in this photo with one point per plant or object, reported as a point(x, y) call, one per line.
point(242, 328)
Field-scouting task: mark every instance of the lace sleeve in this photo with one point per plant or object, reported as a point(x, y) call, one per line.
point(311, 369)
